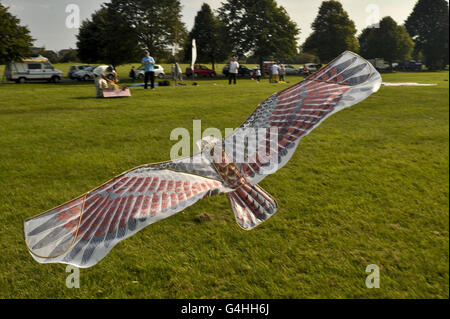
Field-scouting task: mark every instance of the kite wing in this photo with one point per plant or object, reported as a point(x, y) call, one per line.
point(296, 111)
point(84, 230)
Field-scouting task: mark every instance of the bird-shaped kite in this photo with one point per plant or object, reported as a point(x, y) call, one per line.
point(84, 230)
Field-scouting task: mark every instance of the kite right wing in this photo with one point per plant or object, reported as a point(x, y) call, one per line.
point(296, 111)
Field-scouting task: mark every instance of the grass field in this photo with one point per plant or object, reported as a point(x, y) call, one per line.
point(369, 186)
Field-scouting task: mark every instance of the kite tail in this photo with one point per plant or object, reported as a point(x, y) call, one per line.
point(251, 206)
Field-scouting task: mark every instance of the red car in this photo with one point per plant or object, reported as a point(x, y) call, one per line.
point(200, 70)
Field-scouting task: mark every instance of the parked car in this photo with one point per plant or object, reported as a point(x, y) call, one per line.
point(310, 68)
point(201, 70)
point(291, 70)
point(242, 71)
point(32, 69)
point(87, 74)
point(410, 65)
point(380, 64)
point(158, 69)
point(75, 68)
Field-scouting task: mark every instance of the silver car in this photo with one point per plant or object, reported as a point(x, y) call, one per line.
point(159, 72)
point(86, 74)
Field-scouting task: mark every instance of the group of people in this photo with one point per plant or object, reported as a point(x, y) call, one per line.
point(277, 73)
point(106, 76)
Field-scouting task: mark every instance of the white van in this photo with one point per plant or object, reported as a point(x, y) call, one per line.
point(31, 69)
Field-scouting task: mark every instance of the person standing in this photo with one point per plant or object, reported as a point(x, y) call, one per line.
point(148, 62)
point(282, 73)
point(179, 73)
point(275, 72)
point(102, 80)
point(258, 74)
point(233, 71)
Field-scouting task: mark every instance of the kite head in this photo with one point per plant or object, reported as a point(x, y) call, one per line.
point(211, 146)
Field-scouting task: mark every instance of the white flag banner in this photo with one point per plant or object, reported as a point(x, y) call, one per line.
point(194, 54)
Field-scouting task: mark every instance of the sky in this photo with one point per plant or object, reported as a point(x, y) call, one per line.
point(46, 19)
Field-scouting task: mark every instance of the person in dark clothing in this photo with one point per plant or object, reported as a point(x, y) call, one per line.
point(132, 74)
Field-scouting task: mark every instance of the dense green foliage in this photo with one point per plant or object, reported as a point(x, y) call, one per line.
point(333, 32)
point(388, 41)
point(98, 39)
point(210, 36)
point(428, 25)
point(259, 28)
point(15, 40)
point(157, 23)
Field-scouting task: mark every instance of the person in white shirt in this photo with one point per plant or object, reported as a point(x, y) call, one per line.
point(258, 74)
point(233, 71)
point(101, 78)
point(275, 72)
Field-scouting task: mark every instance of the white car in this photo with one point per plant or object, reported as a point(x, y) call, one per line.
point(32, 69)
point(291, 70)
point(159, 72)
point(86, 74)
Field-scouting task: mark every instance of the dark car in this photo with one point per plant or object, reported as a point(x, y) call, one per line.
point(409, 66)
point(200, 70)
point(243, 70)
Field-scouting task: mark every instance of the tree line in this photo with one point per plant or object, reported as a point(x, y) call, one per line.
point(256, 30)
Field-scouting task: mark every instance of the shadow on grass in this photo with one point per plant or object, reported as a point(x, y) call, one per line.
point(59, 109)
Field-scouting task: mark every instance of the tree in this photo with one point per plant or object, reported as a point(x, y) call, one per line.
point(389, 41)
point(157, 23)
point(428, 25)
point(259, 28)
point(70, 55)
point(333, 32)
point(15, 40)
point(108, 38)
point(50, 55)
point(209, 34)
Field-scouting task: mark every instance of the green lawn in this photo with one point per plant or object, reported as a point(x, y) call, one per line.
point(369, 186)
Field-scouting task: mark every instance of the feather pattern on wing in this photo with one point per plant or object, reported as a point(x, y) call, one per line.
point(296, 111)
point(82, 231)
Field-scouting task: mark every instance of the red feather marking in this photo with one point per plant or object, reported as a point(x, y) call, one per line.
point(155, 183)
point(144, 186)
point(173, 199)
point(113, 225)
point(137, 207)
point(124, 218)
point(162, 185)
point(122, 188)
point(145, 210)
point(106, 221)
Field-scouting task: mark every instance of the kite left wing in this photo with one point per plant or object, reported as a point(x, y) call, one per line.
point(84, 230)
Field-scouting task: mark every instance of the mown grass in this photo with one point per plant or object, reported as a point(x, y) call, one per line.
point(369, 186)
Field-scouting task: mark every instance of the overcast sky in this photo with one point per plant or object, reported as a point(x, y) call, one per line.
point(47, 18)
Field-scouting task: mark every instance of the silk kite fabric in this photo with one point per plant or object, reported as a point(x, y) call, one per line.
point(84, 230)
